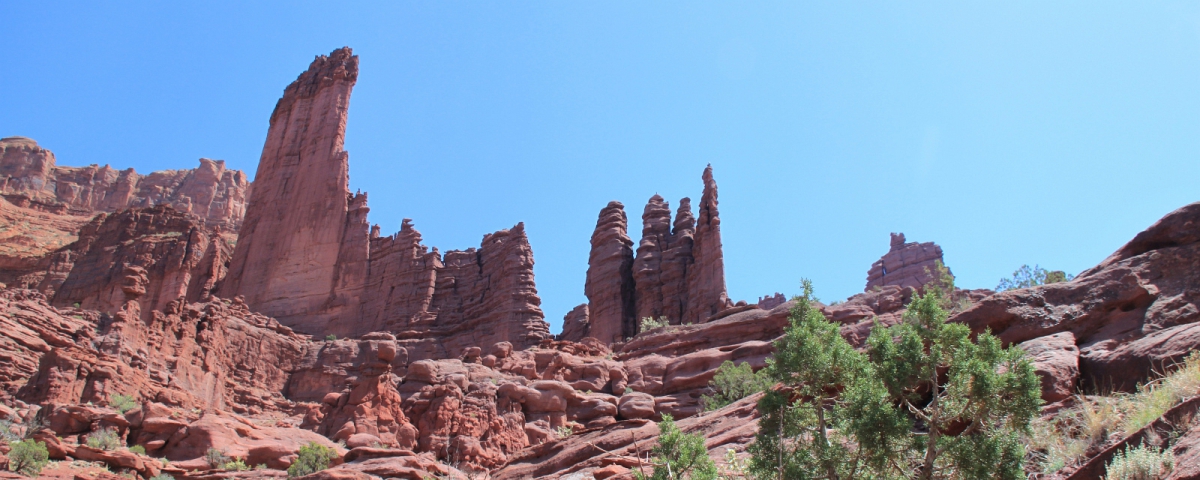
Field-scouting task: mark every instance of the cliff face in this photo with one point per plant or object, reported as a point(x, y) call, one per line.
point(905, 265)
point(679, 271)
point(307, 255)
point(30, 178)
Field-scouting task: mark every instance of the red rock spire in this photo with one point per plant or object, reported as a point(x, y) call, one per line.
point(609, 286)
point(285, 262)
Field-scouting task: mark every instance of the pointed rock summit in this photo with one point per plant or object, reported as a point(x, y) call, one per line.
point(679, 271)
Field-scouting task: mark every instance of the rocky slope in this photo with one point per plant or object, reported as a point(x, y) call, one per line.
point(307, 325)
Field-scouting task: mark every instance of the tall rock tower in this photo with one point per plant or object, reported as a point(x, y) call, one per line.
point(286, 259)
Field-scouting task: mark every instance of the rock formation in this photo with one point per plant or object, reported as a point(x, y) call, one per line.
point(905, 265)
point(610, 285)
point(307, 255)
point(29, 177)
point(679, 271)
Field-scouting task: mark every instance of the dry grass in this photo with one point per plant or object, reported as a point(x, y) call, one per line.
point(1073, 434)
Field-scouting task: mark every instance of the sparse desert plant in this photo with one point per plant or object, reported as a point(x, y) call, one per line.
point(138, 449)
point(1140, 463)
point(215, 458)
point(313, 458)
point(8, 431)
point(162, 476)
point(733, 382)
point(679, 455)
point(651, 323)
point(331, 338)
point(235, 465)
point(122, 403)
point(27, 457)
point(104, 439)
point(1154, 398)
point(564, 431)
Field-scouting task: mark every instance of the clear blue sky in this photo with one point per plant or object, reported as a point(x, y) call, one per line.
point(1008, 132)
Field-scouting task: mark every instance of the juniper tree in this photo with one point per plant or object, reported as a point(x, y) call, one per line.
point(924, 401)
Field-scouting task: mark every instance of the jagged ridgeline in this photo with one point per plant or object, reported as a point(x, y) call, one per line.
point(189, 323)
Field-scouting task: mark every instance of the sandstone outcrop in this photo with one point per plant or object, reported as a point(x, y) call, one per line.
point(29, 177)
point(1137, 311)
point(307, 256)
point(610, 285)
point(907, 264)
point(679, 271)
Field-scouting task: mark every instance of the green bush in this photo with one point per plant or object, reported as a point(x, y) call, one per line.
point(870, 415)
point(1026, 277)
point(104, 439)
point(734, 382)
point(650, 323)
point(1141, 463)
point(28, 457)
point(314, 457)
point(122, 403)
point(138, 449)
point(235, 465)
point(679, 455)
point(330, 338)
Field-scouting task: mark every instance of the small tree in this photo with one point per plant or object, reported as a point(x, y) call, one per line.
point(27, 457)
point(104, 439)
point(1026, 277)
point(734, 382)
point(924, 401)
point(215, 458)
point(313, 458)
point(679, 455)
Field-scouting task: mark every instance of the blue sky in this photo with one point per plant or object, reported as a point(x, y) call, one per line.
point(1009, 133)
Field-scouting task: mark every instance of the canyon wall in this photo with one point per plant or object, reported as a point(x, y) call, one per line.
point(307, 255)
point(678, 273)
point(29, 177)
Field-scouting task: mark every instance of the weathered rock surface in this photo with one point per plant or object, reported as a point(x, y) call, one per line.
point(1133, 313)
point(30, 178)
point(679, 271)
point(610, 285)
point(307, 256)
point(905, 265)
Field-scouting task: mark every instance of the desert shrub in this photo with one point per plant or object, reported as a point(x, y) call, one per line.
point(104, 439)
point(679, 455)
point(313, 458)
point(215, 458)
point(651, 323)
point(122, 403)
point(331, 338)
point(27, 457)
point(235, 465)
point(8, 431)
point(1027, 276)
point(852, 414)
point(564, 431)
point(138, 449)
point(734, 382)
point(1141, 463)
point(162, 476)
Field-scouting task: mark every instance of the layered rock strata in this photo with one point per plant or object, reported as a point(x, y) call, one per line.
point(678, 273)
point(307, 255)
point(907, 264)
point(29, 177)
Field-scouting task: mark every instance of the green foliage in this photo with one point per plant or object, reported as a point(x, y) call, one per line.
point(650, 323)
point(162, 476)
point(1141, 463)
point(1026, 277)
point(942, 285)
point(138, 449)
point(330, 338)
point(235, 465)
point(314, 457)
point(28, 457)
point(679, 455)
point(122, 403)
point(734, 382)
point(924, 401)
point(104, 439)
point(215, 458)
point(564, 431)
